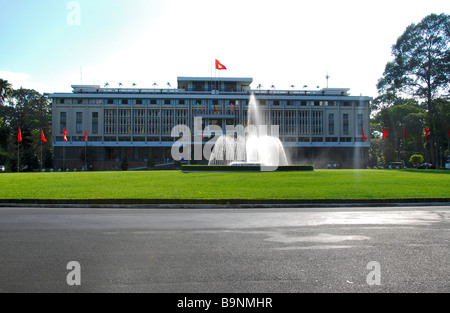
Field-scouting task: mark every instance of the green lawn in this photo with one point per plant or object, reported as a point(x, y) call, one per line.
point(319, 184)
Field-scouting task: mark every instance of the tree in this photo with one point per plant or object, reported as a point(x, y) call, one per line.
point(395, 120)
point(421, 65)
point(5, 91)
point(31, 111)
point(416, 159)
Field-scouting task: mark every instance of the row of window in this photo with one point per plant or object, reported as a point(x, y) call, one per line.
point(120, 121)
point(78, 122)
point(213, 102)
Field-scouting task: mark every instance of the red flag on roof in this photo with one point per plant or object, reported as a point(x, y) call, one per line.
point(85, 135)
point(42, 136)
point(364, 135)
point(64, 134)
point(19, 135)
point(384, 134)
point(427, 133)
point(220, 66)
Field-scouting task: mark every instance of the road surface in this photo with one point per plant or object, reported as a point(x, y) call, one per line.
point(282, 250)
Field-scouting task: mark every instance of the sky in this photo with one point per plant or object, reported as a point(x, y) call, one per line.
point(49, 45)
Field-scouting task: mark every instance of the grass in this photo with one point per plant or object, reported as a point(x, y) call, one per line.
point(317, 185)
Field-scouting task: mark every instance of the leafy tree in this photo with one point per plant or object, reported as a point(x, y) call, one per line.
point(5, 91)
point(416, 159)
point(421, 66)
point(31, 111)
point(395, 120)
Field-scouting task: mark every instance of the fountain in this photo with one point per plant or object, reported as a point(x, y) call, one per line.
point(253, 147)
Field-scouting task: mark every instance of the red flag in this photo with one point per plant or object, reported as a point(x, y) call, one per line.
point(19, 135)
point(384, 134)
point(42, 136)
point(405, 134)
point(64, 134)
point(85, 135)
point(364, 136)
point(220, 66)
point(427, 132)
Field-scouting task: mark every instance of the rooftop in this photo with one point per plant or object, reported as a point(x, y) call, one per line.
point(242, 86)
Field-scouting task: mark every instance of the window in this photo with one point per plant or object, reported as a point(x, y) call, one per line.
point(95, 122)
point(331, 124)
point(360, 123)
point(124, 122)
point(154, 101)
point(139, 101)
point(110, 101)
point(79, 122)
point(62, 121)
point(110, 121)
point(345, 124)
point(139, 122)
point(317, 122)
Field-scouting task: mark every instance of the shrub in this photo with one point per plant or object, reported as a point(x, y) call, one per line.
point(226, 168)
point(416, 159)
point(124, 164)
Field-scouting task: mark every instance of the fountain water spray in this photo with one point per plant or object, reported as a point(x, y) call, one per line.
point(255, 146)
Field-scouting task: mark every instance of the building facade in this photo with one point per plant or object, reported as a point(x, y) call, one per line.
point(316, 127)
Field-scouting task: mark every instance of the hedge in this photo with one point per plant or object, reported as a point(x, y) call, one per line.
point(226, 168)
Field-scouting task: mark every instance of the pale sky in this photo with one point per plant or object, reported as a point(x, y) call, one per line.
point(49, 45)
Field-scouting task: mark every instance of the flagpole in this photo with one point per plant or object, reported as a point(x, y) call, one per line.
point(41, 155)
point(18, 155)
point(85, 155)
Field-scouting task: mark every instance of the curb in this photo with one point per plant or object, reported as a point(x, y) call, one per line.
point(222, 203)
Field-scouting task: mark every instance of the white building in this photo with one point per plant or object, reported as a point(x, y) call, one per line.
point(316, 127)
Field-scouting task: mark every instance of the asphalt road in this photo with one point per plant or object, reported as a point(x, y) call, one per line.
point(389, 249)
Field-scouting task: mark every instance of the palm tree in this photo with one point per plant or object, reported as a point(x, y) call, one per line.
point(292, 86)
point(120, 85)
point(168, 84)
point(155, 85)
point(273, 86)
point(133, 85)
point(106, 85)
point(5, 91)
point(259, 86)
